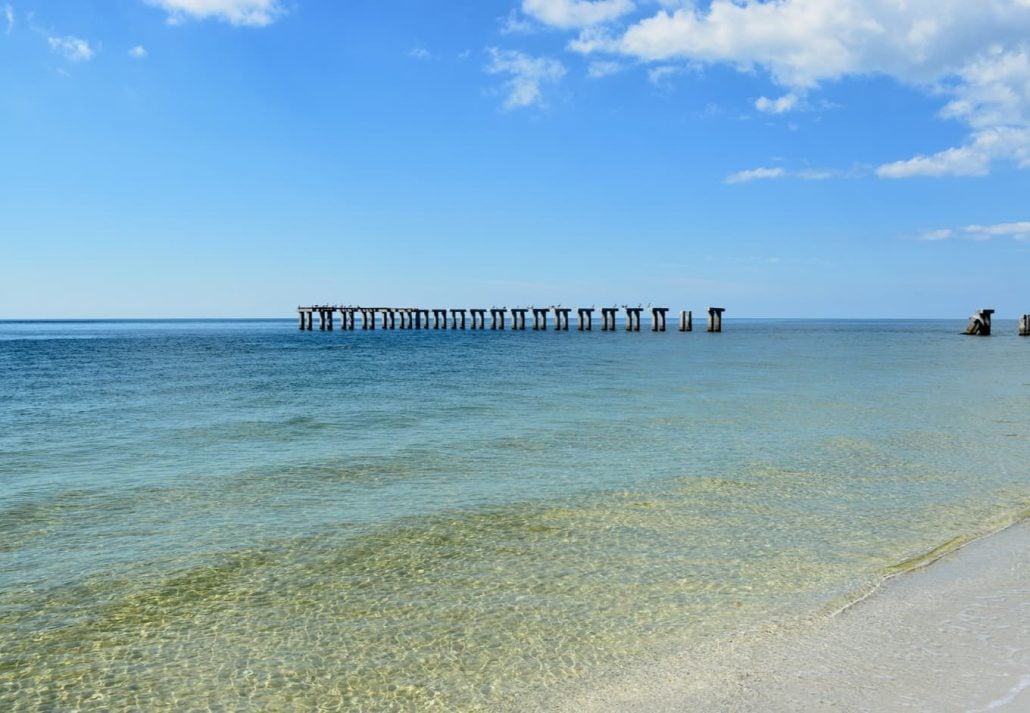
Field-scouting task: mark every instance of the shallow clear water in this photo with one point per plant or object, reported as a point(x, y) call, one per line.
point(234, 514)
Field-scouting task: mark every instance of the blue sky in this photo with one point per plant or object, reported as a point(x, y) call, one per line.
point(813, 158)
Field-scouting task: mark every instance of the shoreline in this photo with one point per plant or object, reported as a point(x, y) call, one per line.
point(951, 633)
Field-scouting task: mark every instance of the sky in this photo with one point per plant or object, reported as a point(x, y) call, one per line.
point(788, 158)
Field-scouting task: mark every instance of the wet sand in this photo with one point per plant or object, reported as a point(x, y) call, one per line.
point(952, 636)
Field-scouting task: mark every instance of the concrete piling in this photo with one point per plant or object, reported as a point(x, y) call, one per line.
point(608, 318)
point(478, 318)
point(686, 321)
point(1024, 325)
point(561, 318)
point(497, 318)
point(584, 318)
point(658, 318)
point(715, 318)
point(632, 319)
point(980, 323)
point(454, 318)
point(540, 318)
point(518, 318)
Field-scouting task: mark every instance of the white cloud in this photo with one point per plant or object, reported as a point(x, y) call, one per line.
point(138, 52)
point(526, 73)
point(568, 14)
point(74, 49)
point(659, 75)
point(255, 13)
point(515, 24)
point(976, 54)
point(935, 235)
point(420, 53)
point(1016, 231)
point(807, 174)
point(777, 106)
point(755, 174)
point(601, 68)
point(9, 16)
point(1019, 231)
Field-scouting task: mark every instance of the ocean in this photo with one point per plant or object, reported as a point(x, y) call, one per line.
point(234, 515)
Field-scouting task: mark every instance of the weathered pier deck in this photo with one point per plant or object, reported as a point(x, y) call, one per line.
point(356, 316)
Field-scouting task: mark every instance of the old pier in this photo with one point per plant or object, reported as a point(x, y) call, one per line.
point(980, 324)
point(351, 316)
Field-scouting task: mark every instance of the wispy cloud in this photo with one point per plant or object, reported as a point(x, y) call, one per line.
point(659, 76)
point(138, 52)
point(526, 75)
point(1016, 231)
point(570, 14)
point(74, 49)
point(803, 174)
point(1019, 231)
point(600, 68)
point(420, 53)
point(934, 235)
point(515, 24)
point(780, 105)
point(9, 17)
point(755, 174)
point(253, 13)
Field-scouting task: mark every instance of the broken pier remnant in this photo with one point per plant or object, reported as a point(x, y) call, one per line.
point(980, 323)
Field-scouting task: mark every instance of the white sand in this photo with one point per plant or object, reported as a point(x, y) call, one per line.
point(954, 636)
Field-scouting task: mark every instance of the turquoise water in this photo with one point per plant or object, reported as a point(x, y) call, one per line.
point(234, 515)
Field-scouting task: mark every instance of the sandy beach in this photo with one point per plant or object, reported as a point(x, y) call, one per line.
point(951, 636)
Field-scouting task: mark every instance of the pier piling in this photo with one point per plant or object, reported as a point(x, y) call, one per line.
point(715, 318)
point(980, 323)
point(686, 321)
point(1024, 325)
point(497, 318)
point(584, 318)
point(658, 318)
point(518, 318)
point(561, 319)
point(632, 319)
